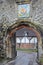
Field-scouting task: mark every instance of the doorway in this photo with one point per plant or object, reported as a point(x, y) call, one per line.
point(26, 38)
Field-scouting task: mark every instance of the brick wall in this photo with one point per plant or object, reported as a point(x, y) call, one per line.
point(25, 45)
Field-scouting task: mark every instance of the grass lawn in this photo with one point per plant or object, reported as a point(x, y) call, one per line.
point(27, 50)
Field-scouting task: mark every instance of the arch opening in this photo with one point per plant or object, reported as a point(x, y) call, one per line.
point(13, 33)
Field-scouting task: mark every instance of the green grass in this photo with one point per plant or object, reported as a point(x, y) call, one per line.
point(2, 59)
point(41, 60)
point(5, 59)
point(27, 50)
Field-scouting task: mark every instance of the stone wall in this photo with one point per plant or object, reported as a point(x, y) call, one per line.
point(8, 8)
point(37, 14)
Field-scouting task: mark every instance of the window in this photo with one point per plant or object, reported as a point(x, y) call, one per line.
point(26, 40)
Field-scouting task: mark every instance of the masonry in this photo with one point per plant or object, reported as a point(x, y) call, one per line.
point(10, 23)
point(12, 35)
point(25, 46)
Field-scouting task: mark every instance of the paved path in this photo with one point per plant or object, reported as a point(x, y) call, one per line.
point(1, 64)
point(24, 59)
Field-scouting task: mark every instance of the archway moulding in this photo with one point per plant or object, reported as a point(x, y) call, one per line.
point(24, 23)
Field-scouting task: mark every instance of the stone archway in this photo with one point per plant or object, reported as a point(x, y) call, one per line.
point(16, 27)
